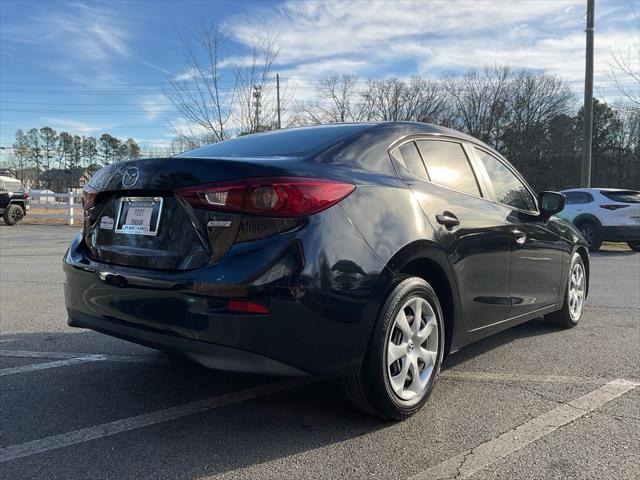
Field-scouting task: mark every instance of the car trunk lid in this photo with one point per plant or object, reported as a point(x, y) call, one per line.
point(138, 220)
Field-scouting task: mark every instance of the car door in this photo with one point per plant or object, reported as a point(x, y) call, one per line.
point(536, 251)
point(576, 203)
point(469, 228)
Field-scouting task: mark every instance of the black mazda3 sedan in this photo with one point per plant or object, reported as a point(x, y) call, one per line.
point(369, 251)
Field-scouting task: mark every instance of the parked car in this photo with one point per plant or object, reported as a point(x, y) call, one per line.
point(14, 201)
point(604, 215)
point(369, 251)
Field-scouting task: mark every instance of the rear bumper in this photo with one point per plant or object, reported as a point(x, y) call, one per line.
point(319, 284)
point(625, 233)
point(210, 355)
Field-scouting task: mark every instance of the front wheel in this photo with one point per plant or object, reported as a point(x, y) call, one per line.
point(404, 356)
point(635, 246)
point(13, 214)
point(574, 298)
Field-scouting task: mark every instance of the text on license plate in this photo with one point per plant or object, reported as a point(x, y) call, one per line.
point(139, 215)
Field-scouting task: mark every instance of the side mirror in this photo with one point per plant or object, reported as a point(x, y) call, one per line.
point(550, 203)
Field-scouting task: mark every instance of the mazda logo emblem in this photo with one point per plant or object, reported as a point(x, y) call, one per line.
point(130, 177)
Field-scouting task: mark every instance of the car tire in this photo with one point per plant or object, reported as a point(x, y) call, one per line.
point(635, 246)
point(574, 296)
point(387, 385)
point(591, 234)
point(13, 214)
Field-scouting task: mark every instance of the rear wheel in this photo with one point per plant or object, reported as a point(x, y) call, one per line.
point(404, 355)
point(13, 214)
point(635, 246)
point(591, 234)
point(575, 295)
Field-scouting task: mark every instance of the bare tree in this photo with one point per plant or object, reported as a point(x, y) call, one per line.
point(625, 72)
point(254, 89)
point(197, 93)
point(20, 155)
point(418, 99)
point(338, 101)
point(216, 96)
point(480, 101)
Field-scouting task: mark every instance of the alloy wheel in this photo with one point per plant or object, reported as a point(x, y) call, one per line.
point(412, 349)
point(576, 291)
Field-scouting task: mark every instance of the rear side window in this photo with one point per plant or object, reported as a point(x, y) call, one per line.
point(622, 196)
point(575, 198)
point(293, 142)
point(410, 159)
point(509, 189)
point(447, 165)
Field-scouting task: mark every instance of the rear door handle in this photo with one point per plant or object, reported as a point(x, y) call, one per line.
point(448, 219)
point(519, 236)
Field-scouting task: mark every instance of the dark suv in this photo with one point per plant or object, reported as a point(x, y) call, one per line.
point(14, 201)
point(369, 251)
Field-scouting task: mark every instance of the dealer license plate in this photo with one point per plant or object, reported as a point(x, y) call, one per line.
point(139, 215)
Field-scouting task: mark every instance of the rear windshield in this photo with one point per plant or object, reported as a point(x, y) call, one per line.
point(295, 142)
point(623, 196)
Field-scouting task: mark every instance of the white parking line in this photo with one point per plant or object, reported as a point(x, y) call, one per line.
point(26, 449)
point(521, 377)
point(467, 463)
point(43, 366)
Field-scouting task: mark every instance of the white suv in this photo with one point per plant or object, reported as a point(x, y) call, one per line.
point(604, 215)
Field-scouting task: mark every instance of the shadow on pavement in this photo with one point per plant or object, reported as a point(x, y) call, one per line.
point(218, 441)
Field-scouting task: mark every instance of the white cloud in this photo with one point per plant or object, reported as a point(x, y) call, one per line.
point(394, 38)
point(155, 105)
point(83, 40)
point(74, 127)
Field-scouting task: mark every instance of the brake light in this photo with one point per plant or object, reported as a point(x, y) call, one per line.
point(613, 207)
point(26, 195)
point(242, 306)
point(89, 195)
point(269, 196)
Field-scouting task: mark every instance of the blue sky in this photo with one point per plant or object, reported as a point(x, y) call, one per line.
point(94, 67)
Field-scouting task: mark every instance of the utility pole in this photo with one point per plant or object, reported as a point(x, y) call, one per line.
point(278, 98)
point(587, 131)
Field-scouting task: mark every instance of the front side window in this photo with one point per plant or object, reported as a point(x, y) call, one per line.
point(13, 186)
point(447, 165)
point(509, 189)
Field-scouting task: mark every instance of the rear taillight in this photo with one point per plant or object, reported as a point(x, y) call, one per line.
point(89, 195)
point(269, 196)
point(613, 207)
point(26, 195)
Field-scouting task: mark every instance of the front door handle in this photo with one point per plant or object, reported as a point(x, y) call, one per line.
point(448, 219)
point(519, 236)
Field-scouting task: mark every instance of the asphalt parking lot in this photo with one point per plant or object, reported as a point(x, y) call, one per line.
point(531, 403)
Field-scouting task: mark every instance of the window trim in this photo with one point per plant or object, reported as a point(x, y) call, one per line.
point(509, 167)
point(471, 159)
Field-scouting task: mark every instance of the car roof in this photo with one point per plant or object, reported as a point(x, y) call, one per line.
point(8, 179)
point(310, 140)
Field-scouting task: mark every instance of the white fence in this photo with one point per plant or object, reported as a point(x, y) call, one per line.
point(63, 206)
